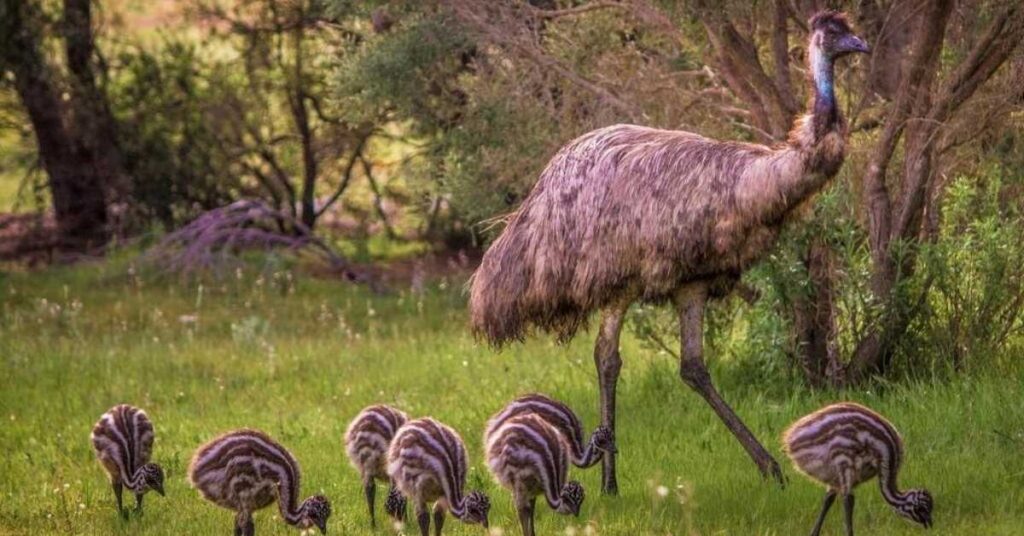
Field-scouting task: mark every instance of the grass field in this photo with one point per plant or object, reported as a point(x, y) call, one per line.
point(299, 359)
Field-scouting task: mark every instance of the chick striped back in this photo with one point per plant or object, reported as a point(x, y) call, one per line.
point(246, 470)
point(526, 450)
point(368, 437)
point(425, 453)
point(123, 440)
point(556, 414)
point(843, 445)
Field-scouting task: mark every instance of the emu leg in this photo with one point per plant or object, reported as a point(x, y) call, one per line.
point(848, 506)
point(830, 498)
point(138, 503)
point(423, 518)
point(690, 302)
point(438, 519)
point(244, 525)
point(370, 491)
point(609, 363)
point(117, 496)
point(524, 507)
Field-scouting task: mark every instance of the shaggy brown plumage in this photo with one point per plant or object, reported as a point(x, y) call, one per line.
point(628, 212)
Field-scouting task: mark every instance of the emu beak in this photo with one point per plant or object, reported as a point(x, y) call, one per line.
point(852, 43)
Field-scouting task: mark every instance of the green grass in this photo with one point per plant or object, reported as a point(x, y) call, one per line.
point(299, 361)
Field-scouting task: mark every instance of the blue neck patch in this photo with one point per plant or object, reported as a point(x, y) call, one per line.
point(822, 67)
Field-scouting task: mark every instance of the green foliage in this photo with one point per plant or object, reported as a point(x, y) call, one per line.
point(169, 143)
point(412, 73)
point(299, 365)
point(973, 316)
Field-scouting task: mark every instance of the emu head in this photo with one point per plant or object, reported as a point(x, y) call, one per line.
point(315, 511)
point(477, 506)
point(604, 439)
point(917, 507)
point(572, 498)
point(152, 478)
point(395, 504)
point(832, 35)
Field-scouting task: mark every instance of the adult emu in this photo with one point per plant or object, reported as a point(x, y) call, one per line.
point(628, 213)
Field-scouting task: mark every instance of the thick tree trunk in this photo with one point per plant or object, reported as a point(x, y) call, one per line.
point(92, 120)
point(79, 201)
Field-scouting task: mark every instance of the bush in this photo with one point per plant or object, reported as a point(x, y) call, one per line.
point(169, 145)
point(974, 273)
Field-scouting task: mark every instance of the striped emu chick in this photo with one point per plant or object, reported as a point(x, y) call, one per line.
point(123, 440)
point(245, 471)
point(845, 444)
point(530, 457)
point(427, 462)
point(366, 442)
point(565, 421)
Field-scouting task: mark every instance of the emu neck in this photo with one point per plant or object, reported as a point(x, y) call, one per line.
point(585, 456)
point(825, 111)
point(290, 511)
point(136, 482)
point(887, 483)
point(456, 503)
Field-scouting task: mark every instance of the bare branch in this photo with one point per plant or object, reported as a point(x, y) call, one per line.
point(568, 12)
point(213, 240)
point(346, 176)
point(377, 199)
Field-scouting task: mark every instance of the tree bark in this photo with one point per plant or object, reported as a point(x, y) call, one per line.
point(79, 201)
point(814, 320)
point(92, 121)
point(917, 116)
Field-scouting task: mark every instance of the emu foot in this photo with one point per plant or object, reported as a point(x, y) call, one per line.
point(770, 469)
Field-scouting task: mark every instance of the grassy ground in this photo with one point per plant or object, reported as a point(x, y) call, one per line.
point(298, 360)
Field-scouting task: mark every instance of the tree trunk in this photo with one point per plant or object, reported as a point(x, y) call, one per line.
point(814, 320)
point(300, 115)
point(92, 120)
point(79, 201)
point(918, 115)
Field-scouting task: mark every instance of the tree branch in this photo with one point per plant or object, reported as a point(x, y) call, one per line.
point(347, 174)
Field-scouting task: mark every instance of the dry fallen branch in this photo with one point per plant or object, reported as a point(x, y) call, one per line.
point(213, 241)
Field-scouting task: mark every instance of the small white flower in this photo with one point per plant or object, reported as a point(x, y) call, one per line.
point(188, 319)
point(662, 491)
